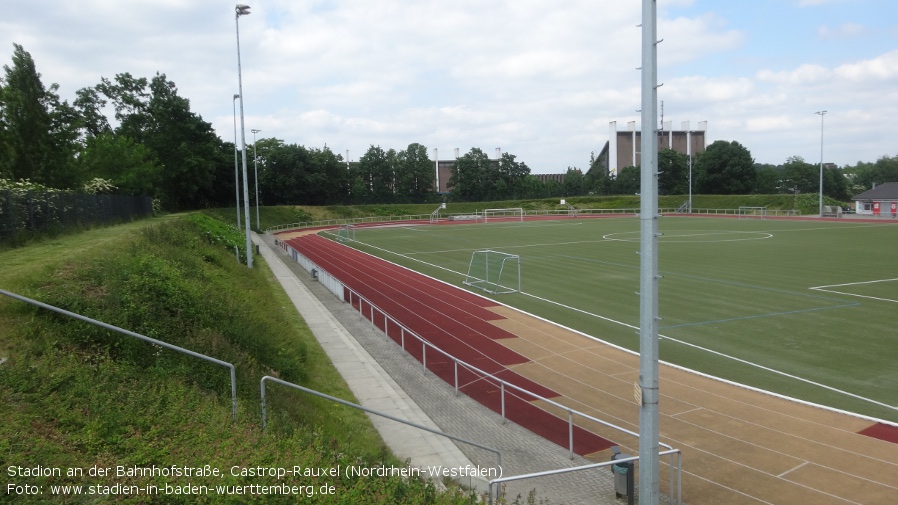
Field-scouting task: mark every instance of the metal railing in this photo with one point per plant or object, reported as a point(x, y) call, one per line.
point(138, 336)
point(672, 453)
point(370, 411)
point(501, 383)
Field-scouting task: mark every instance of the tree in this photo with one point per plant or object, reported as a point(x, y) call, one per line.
point(415, 174)
point(472, 177)
point(37, 136)
point(725, 168)
point(573, 182)
point(627, 182)
point(510, 177)
point(151, 113)
point(674, 169)
point(768, 179)
point(800, 176)
point(131, 167)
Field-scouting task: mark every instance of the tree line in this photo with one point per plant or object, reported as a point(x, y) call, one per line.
point(137, 136)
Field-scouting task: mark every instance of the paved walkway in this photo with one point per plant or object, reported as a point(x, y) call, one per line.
point(383, 377)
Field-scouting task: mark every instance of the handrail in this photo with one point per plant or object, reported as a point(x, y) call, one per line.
point(141, 337)
point(678, 466)
point(370, 411)
point(487, 375)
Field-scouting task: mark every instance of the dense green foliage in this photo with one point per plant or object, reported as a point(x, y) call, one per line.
point(78, 396)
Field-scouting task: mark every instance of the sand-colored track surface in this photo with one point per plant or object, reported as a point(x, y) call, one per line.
point(739, 446)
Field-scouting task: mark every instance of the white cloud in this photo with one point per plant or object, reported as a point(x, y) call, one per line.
point(844, 31)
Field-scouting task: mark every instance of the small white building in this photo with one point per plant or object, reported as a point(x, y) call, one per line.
point(879, 201)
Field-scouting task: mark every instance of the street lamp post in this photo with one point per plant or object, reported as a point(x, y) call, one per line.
point(243, 10)
point(821, 113)
point(236, 168)
point(256, 171)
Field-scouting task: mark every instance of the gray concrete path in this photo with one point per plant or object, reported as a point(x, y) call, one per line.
point(381, 375)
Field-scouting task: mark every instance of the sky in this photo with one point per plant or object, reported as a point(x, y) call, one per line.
point(540, 80)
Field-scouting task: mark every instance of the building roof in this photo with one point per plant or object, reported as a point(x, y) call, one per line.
point(884, 191)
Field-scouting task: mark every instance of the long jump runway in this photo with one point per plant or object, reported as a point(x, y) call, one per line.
point(739, 446)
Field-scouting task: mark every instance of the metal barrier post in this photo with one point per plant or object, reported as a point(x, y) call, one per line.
point(502, 395)
point(570, 431)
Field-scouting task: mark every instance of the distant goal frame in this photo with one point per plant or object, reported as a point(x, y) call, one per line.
point(752, 212)
point(507, 214)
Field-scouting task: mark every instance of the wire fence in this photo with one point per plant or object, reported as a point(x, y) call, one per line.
point(36, 212)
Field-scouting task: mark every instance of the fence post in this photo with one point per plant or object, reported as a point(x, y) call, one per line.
point(570, 431)
point(424, 357)
point(502, 396)
point(455, 361)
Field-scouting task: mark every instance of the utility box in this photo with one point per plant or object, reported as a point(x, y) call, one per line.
point(623, 475)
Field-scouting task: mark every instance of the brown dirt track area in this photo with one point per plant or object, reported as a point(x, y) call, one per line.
point(739, 446)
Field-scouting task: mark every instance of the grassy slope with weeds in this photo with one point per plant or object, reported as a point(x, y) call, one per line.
point(78, 396)
point(287, 214)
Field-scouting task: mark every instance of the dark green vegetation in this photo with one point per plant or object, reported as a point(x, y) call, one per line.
point(734, 292)
point(77, 396)
point(156, 146)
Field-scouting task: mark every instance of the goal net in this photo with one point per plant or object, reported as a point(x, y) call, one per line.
point(514, 214)
point(749, 212)
point(494, 272)
point(346, 232)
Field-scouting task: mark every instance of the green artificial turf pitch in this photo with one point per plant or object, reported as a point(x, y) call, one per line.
point(803, 308)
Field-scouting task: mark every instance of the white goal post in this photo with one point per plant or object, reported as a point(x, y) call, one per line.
point(494, 272)
point(346, 232)
point(516, 214)
point(745, 211)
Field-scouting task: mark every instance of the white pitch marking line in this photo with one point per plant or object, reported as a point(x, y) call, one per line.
point(787, 472)
point(823, 288)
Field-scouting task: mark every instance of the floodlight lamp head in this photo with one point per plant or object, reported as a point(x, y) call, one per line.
point(241, 10)
point(236, 96)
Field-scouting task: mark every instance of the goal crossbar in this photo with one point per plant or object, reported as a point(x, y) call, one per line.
point(513, 213)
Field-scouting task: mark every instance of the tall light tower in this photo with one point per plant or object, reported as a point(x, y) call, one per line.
point(256, 171)
point(821, 113)
point(648, 264)
point(243, 10)
point(236, 167)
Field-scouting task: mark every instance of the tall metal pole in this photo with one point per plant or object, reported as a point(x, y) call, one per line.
point(256, 170)
point(822, 113)
point(242, 10)
point(236, 167)
point(648, 258)
point(685, 126)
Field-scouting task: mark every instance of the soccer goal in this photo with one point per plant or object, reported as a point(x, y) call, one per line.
point(346, 232)
point(494, 272)
point(749, 212)
point(515, 214)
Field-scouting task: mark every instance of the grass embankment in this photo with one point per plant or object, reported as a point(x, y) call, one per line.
point(273, 216)
point(75, 396)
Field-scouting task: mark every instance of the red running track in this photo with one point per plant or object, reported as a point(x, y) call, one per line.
point(452, 319)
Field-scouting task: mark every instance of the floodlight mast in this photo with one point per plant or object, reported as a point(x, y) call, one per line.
point(256, 171)
point(236, 166)
point(243, 10)
point(648, 259)
point(821, 113)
